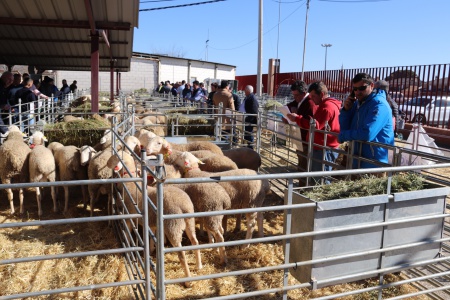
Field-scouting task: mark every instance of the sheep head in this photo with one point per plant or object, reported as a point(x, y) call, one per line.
point(38, 138)
point(157, 145)
point(187, 161)
point(107, 137)
point(86, 153)
point(133, 143)
point(117, 163)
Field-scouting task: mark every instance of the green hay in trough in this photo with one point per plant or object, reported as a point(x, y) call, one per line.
point(366, 186)
point(86, 107)
point(78, 133)
point(271, 105)
point(191, 126)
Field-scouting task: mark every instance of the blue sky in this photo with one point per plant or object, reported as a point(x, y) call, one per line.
point(363, 33)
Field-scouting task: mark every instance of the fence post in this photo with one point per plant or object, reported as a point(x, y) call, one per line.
point(312, 128)
point(145, 226)
point(258, 132)
point(160, 290)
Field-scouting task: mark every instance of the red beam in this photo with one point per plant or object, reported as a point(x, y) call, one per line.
point(90, 14)
point(95, 63)
point(59, 56)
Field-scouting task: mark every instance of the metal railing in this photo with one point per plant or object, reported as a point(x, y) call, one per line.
point(280, 167)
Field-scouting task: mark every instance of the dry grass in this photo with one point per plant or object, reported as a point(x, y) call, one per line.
point(35, 276)
point(57, 239)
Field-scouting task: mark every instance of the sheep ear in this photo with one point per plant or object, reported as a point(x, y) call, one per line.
point(85, 154)
point(114, 162)
point(200, 162)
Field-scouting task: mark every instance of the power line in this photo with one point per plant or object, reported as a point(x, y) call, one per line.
point(355, 1)
point(181, 5)
point(156, 1)
point(264, 32)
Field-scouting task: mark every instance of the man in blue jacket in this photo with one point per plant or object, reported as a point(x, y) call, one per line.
point(366, 116)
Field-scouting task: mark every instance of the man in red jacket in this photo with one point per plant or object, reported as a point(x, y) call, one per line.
point(303, 106)
point(326, 118)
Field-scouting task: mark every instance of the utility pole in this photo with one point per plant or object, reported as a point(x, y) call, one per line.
point(260, 43)
point(304, 39)
point(207, 41)
point(326, 48)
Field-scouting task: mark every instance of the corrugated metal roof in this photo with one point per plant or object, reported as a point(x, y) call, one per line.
point(55, 34)
point(157, 56)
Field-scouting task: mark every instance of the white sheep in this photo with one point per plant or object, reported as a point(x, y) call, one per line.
point(42, 169)
point(70, 166)
point(14, 160)
point(243, 194)
point(160, 145)
point(175, 201)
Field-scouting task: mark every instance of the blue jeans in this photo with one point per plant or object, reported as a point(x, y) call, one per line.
point(316, 164)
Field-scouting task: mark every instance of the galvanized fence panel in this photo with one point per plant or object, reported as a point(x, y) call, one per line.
point(275, 142)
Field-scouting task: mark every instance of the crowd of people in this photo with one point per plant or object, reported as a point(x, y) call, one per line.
point(366, 115)
point(15, 88)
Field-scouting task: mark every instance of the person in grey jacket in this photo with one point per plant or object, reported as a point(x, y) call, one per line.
point(250, 105)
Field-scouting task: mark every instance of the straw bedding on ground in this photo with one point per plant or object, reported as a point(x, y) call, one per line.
point(35, 276)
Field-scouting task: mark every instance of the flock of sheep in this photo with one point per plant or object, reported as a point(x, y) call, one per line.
point(21, 162)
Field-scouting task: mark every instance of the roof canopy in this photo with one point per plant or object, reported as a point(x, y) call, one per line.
point(56, 34)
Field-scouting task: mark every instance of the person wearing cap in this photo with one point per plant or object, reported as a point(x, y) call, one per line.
point(366, 116)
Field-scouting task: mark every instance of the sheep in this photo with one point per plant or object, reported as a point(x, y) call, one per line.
point(243, 194)
point(245, 158)
point(160, 145)
point(36, 139)
point(70, 118)
point(14, 164)
point(42, 169)
point(70, 166)
point(53, 146)
point(205, 197)
point(175, 201)
point(97, 169)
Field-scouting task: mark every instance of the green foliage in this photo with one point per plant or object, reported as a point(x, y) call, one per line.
point(141, 91)
point(84, 132)
point(366, 186)
point(272, 105)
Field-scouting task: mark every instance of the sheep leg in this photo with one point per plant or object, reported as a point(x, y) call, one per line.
point(55, 206)
point(93, 201)
point(38, 199)
point(182, 258)
point(190, 232)
point(10, 195)
point(251, 222)
point(10, 198)
point(238, 223)
point(223, 256)
point(260, 220)
point(66, 198)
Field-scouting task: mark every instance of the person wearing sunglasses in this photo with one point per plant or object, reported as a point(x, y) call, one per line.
point(366, 116)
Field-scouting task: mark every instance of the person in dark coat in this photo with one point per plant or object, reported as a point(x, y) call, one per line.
point(250, 105)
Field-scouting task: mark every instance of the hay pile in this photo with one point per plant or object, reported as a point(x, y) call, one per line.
point(191, 125)
point(366, 186)
point(272, 105)
point(60, 273)
point(77, 133)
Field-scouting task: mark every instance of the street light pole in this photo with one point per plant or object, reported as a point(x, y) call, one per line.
point(326, 48)
point(304, 39)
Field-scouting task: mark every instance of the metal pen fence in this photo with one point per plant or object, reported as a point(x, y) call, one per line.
point(275, 141)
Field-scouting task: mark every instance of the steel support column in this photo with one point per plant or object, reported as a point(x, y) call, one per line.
point(111, 81)
point(95, 67)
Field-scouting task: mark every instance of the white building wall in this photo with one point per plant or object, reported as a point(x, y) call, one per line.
point(143, 74)
point(147, 72)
